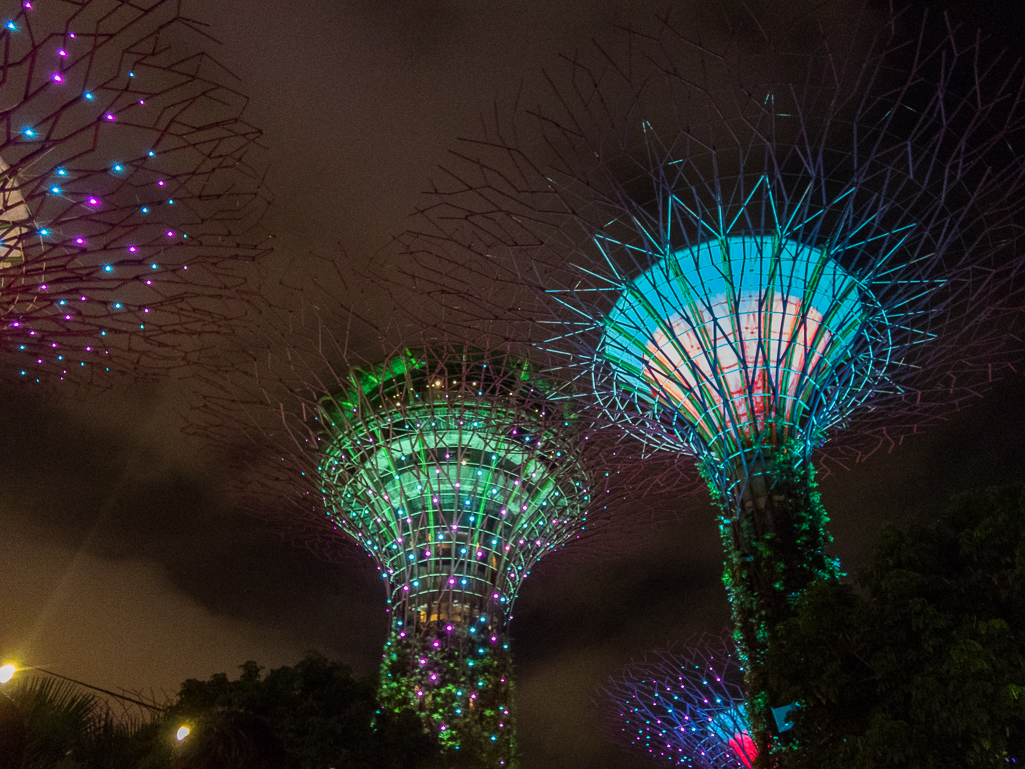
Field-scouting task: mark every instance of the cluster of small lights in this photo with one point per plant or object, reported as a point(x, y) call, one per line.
point(456, 472)
point(455, 477)
point(100, 212)
point(683, 709)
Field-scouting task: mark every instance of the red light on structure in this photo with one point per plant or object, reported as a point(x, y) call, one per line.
point(744, 747)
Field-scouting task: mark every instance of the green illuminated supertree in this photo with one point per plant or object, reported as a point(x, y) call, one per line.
point(455, 469)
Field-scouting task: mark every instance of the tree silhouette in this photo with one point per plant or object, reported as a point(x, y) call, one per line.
point(925, 666)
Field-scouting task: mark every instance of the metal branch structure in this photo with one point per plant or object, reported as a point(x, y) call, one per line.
point(455, 469)
point(130, 190)
point(749, 258)
point(683, 708)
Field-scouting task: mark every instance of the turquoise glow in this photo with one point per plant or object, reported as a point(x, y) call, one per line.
point(739, 341)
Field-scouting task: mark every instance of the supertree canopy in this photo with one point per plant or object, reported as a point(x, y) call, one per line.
point(128, 188)
point(749, 257)
point(456, 471)
point(683, 708)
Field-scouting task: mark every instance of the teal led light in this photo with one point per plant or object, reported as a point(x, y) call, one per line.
point(743, 339)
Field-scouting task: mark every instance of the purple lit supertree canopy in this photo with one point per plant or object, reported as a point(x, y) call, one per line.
point(129, 190)
point(753, 251)
point(453, 467)
point(683, 708)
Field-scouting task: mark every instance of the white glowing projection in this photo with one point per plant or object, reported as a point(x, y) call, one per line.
point(455, 477)
point(745, 339)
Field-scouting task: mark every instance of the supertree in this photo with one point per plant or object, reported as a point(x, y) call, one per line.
point(129, 187)
point(751, 249)
point(683, 708)
point(454, 468)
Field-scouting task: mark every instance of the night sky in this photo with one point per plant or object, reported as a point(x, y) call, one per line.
point(121, 566)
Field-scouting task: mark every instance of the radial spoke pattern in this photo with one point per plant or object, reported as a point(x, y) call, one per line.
point(683, 708)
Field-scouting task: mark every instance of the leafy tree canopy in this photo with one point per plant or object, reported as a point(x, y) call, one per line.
point(320, 713)
point(923, 667)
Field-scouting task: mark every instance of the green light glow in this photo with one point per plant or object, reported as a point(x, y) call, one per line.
point(456, 472)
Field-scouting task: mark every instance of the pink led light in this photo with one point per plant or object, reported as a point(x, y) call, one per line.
point(109, 116)
point(58, 77)
point(744, 747)
point(132, 249)
point(62, 52)
point(94, 201)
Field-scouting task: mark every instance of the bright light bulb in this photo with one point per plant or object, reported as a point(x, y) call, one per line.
point(183, 732)
point(7, 673)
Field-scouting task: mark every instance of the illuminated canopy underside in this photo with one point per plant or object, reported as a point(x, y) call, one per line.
point(454, 490)
point(746, 339)
point(684, 712)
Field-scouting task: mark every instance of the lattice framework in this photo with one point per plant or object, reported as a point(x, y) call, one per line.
point(130, 190)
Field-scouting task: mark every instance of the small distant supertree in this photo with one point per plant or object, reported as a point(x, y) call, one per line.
point(683, 708)
point(753, 258)
point(455, 468)
point(129, 190)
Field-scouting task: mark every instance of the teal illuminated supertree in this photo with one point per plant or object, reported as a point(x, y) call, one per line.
point(751, 258)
